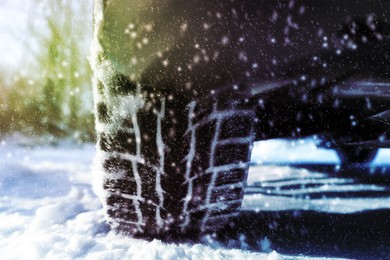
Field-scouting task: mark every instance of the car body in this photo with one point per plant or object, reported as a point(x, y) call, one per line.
point(310, 61)
point(183, 89)
point(347, 104)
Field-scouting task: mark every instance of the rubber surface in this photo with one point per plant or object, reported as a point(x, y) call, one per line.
point(169, 165)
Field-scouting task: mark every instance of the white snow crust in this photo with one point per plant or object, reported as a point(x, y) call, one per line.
point(266, 199)
point(48, 210)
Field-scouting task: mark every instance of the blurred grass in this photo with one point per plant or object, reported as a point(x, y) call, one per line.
point(54, 96)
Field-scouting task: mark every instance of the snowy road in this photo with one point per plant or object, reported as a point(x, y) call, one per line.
point(48, 210)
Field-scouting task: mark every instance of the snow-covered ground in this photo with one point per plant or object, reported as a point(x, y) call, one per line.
point(285, 188)
point(302, 150)
point(48, 210)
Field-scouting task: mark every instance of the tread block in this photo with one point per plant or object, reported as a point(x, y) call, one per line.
point(100, 87)
point(204, 135)
point(121, 142)
point(229, 177)
point(229, 194)
point(231, 153)
point(229, 208)
point(116, 165)
point(103, 114)
point(126, 186)
point(236, 126)
point(121, 208)
point(121, 85)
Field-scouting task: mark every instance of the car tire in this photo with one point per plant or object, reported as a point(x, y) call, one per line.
point(167, 164)
point(352, 155)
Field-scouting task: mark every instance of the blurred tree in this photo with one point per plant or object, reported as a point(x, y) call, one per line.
point(55, 96)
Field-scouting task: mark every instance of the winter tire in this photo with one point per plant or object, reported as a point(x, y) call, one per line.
point(350, 155)
point(169, 165)
point(172, 156)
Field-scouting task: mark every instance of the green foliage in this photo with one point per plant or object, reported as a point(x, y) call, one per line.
point(54, 97)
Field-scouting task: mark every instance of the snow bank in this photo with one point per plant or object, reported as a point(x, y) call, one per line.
point(303, 151)
point(276, 188)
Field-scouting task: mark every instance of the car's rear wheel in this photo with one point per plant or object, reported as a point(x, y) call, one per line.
point(351, 155)
point(168, 164)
